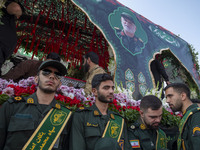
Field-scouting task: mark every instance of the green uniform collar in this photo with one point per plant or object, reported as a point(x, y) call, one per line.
point(32, 100)
point(192, 106)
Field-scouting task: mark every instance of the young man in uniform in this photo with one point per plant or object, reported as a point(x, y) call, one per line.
point(145, 133)
point(36, 121)
point(178, 98)
point(96, 127)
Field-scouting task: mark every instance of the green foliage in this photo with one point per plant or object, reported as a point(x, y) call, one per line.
point(75, 72)
point(194, 57)
point(181, 71)
point(169, 120)
point(3, 98)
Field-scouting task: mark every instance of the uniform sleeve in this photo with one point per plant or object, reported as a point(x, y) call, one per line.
point(133, 140)
point(127, 145)
point(77, 140)
point(194, 131)
point(4, 122)
point(88, 85)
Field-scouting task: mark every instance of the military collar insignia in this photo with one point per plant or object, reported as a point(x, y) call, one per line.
point(112, 116)
point(67, 107)
point(92, 125)
point(18, 98)
point(184, 112)
point(132, 127)
point(57, 106)
point(96, 113)
point(30, 101)
point(81, 108)
point(142, 126)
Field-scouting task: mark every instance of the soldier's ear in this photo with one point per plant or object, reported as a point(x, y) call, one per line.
point(183, 96)
point(141, 113)
point(94, 91)
point(36, 79)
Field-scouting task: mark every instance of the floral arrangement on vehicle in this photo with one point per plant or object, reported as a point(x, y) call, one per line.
point(75, 98)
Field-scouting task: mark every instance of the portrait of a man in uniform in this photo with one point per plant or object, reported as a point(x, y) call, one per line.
point(127, 33)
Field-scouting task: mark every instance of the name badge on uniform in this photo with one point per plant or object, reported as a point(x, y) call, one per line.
point(135, 143)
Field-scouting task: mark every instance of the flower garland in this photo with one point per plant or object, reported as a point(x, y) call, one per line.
point(75, 98)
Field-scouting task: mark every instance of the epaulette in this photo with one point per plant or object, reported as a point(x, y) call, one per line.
point(16, 99)
point(82, 109)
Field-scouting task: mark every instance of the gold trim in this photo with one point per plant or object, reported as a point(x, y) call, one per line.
point(35, 132)
point(122, 127)
point(106, 128)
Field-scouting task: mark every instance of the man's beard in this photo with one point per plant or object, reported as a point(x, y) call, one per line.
point(177, 107)
point(102, 99)
point(86, 67)
point(45, 90)
point(129, 30)
point(150, 126)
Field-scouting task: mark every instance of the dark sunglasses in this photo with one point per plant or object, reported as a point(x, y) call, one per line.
point(47, 72)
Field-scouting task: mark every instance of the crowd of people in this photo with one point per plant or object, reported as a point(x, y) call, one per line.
point(40, 122)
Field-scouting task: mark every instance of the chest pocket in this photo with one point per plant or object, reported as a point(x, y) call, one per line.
point(92, 131)
point(21, 122)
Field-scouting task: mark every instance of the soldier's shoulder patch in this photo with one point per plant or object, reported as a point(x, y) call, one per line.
point(82, 109)
point(16, 99)
point(135, 143)
point(196, 131)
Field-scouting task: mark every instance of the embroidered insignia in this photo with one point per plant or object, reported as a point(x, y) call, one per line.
point(114, 129)
point(112, 116)
point(96, 113)
point(81, 108)
point(18, 98)
point(135, 143)
point(67, 107)
point(196, 131)
point(30, 101)
point(142, 126)
point(58, 106)
point(91, 125)
point(58, 117)
point(121, 144)
point(132, 127)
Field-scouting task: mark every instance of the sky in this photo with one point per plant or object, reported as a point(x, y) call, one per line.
point(181, 17)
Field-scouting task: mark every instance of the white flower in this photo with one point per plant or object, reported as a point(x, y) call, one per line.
point(71, 95)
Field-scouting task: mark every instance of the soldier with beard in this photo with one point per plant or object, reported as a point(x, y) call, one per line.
point(145, 133)
point(178, 98)
point(96, 127)
point(37, 121)
point(91, 68)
